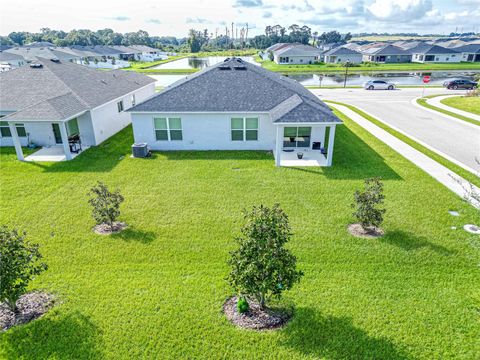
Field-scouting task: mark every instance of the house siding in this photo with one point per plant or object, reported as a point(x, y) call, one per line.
point(107, 121)
point(204, 132)
point(352, 58)
point(295, 60)
point(441, 58)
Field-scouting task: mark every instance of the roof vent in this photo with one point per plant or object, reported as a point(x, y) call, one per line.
point(103, 81)
point(36, 65)
point(240, 67)
point(224, 68)
point(239, 60)
point(227, 59)
point(55, 60)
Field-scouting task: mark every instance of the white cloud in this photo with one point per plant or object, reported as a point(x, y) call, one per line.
point(399, 10)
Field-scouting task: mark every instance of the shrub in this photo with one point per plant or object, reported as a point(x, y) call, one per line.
point(106, 204)
point(242, 305)
point(367, 211)
point(19, 263)
point(261, 267)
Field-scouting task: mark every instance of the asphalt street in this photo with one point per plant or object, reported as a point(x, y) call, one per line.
point(456, 139)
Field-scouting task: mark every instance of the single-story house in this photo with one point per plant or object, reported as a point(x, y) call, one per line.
point(235, 105)
point(433, 53)
point(342, 55)
point(296, 54)
point(387, 54)
point(67, 106)
point(148, 53)
point(470, 52)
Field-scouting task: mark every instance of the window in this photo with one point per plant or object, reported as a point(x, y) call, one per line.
point(168, 129)
point(244, 129)
point(296, 137)
point(72, 127)
point(133, 100)
point(5, 130)
point(120, 106)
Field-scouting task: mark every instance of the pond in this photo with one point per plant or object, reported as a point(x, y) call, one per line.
point(398, 78)
point(199, 62)
point(336, 79)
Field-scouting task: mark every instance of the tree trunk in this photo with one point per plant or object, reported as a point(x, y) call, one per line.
point(262, 301)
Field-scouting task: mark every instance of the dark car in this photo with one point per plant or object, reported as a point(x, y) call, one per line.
point(460, 84)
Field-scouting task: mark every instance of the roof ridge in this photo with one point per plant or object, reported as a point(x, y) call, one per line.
point(78, 97)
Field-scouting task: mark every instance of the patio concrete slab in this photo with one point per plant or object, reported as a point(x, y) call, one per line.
point(310, 158)
point(49, 154)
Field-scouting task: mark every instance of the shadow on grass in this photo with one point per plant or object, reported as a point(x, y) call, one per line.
point(70, 337)
point(409, 242)
point(132, 234)
point(320, 336)
point(218, 155)
point(101, 158)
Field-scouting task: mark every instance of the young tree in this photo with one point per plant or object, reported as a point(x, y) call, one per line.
point(261, 266)
point(106, 204)
point(19, 263)
point(367, 210)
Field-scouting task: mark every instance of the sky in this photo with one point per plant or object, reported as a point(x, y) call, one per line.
point(176, 17)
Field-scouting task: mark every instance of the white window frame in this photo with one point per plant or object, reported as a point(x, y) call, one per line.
point(244, 128)
point(17, 125)
point(167, 118)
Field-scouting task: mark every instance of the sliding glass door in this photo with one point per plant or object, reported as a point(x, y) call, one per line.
point(297, 137)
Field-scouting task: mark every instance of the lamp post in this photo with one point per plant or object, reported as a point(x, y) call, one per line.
point(347, 64)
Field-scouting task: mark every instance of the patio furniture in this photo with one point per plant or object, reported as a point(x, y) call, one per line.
point(75, 144)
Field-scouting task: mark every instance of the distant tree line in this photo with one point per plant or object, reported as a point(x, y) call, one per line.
point(296, 34)
point(91, 38)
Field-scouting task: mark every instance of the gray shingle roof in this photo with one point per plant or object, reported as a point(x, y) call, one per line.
point(26, 86)
point(431, 49)
point(298, 50)
point(226, 88)
point(470, 48)
point(386, 50)
point(341, 51)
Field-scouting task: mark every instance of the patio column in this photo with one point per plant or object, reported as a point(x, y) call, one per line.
point(331, 140)
point(16, 141)
point(66, 147)
point(278, 145)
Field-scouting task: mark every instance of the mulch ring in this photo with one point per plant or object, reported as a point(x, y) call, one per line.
point(105, 229)
point(358, 231)
point(29, 307)
point(255, 318)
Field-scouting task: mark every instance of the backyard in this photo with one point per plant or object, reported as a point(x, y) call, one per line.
point(156, 290)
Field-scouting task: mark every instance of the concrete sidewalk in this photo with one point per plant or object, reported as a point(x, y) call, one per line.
point(436, 101)
point(431, 167)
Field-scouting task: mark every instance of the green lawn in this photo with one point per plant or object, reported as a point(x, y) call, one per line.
point(470, 104)
point(156, 290)
point(423, 102)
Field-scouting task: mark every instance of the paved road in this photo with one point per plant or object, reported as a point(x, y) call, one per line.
point(457, 139)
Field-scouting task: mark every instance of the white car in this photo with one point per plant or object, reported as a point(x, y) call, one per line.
point(379, 85)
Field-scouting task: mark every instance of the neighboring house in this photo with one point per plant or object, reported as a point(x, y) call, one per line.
point(433, 53)
point(148, 53)
point(30, 54)
point(386, 54)
point(470, 53)
point(52, 103)
point(342, 55)
point(235, 105)
point(296, 54)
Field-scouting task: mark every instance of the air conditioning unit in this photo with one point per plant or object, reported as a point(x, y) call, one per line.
point(140, 150)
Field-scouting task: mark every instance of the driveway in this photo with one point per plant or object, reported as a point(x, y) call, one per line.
point(457, 139)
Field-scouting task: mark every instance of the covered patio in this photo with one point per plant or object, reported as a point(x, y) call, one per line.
point(62, 139)
point(304, 144)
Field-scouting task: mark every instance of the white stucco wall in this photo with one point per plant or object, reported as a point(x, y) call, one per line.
point(441, 58)
point(204, 132)
point(85, 127)
point(211, 132)
point(356, 59)
point(39, 133)
point(106, 119)
point(295, 59)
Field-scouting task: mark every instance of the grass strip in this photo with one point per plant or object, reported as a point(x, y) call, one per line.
point(423, 102)
point(467, 175)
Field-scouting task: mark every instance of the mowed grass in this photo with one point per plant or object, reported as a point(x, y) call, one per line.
point(156, 290)
point(470, 104)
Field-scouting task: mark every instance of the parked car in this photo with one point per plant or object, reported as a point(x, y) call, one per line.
point(460, 84)
point(379, 85)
